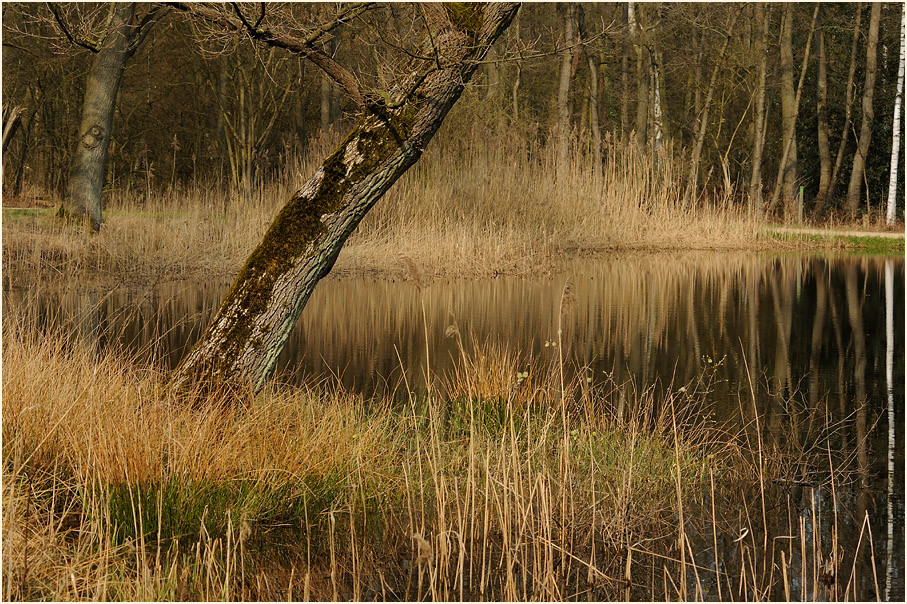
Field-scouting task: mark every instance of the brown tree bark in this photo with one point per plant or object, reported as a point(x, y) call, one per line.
point(693, 178)
point(755, 190)
point(242, 342)
point(624, 76)
point(788, 171)
point(859, 157)
point(86, 181)
point(642, 77)
point(822, 115)
point(594, 100)
point(564, 106)
point(10, 125)
point(787, 168)
point(848, 113)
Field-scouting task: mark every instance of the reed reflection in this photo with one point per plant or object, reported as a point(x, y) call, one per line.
point(809, 351)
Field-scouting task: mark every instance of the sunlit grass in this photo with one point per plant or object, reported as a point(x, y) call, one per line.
point(485, 208)
point(116, 488)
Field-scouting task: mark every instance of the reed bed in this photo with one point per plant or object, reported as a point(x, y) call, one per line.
point(501, 481)
point(478, 203)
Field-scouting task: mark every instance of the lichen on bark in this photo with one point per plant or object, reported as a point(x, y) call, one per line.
point(243, 340)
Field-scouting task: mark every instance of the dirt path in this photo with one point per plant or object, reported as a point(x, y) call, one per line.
point(836, 233)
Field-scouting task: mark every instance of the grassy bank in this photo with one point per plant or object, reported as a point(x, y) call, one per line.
point(860, 243)
point(474, 205)
point(500, 483)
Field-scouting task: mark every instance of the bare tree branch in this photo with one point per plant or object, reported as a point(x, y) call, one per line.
point(304, 46)
point(62, 25)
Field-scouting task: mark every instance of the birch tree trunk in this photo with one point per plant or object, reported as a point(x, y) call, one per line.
point(889, 383)
point(242, 342)
point(659, 120)
point(896, 132)
point(859, 157)
point(89, 164)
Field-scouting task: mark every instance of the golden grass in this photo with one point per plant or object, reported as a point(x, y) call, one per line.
point(491, 206)
point(498, 485)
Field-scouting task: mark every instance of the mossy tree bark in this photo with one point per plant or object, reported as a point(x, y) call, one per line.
point(241, 345)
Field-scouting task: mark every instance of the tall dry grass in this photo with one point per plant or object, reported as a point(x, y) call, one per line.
point(478, 203)
point(502, 483)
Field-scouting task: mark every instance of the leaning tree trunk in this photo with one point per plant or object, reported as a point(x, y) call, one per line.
point(11, 125)
point(89, 163)
point(242, 342)
point(859, 157)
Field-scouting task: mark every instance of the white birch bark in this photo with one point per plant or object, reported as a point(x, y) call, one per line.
point(889, 375)
point(896, 131)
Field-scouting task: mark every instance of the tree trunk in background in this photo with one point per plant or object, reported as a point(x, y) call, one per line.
point(848, 109)
point(11, 125)
point(859, 158)
point(327, 94)
point(624, 68)
point(896, 133)
point(515, 35)
point(642, 78)
point(822, 116)
point(242, 342)
point(693, 178)
point(790, 143)
point(564, 106)
point(755, 191)
point(788, 170)
point(89, 164)
point(658, 119)
point(594, 102)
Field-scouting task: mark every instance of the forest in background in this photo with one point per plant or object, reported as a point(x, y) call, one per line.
point(215, 111)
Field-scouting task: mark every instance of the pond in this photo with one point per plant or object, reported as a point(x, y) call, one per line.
point(805, 340)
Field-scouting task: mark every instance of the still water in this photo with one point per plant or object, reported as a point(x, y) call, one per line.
point(820, 340)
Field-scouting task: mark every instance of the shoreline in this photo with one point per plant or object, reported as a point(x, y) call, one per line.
point(144, 249)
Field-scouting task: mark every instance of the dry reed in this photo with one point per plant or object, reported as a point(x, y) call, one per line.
point(489, 207)
point(501, 484)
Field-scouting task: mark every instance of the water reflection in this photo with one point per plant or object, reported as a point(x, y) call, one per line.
point(794, 345)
